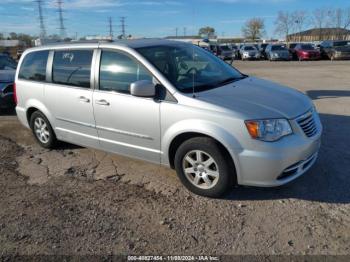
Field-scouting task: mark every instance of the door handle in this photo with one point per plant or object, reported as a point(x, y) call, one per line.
point(102, 102)
point(84, 99)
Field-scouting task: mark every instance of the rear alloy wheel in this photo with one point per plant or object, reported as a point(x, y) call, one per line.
point(203, 168)
point(42, 130)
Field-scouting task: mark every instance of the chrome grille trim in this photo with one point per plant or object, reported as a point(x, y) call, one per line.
point(307, 123)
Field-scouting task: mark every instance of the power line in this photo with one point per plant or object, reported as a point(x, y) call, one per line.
point(60, 17)
point(41, 19)
point(110, 25)
point(122, 26)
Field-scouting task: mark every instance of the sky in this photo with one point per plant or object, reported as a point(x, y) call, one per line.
point(151, 18)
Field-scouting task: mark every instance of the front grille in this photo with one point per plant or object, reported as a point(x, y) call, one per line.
point(308, 124)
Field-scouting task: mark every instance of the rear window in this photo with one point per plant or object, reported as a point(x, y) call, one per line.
point(72, 67)
point(33, 66)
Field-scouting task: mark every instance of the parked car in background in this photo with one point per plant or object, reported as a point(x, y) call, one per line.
point(235, 50)
point(224, 52)
point(277, 52)
point(291, 48)
point(335, 50)
point(170, 103)
point(249, 52)
point(307, 52)
point(262, 48)
point(7, 77)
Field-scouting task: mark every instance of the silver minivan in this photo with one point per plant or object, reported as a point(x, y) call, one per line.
point(169, 103)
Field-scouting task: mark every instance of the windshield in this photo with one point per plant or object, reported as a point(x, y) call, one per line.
point(189, 67)
point(342, 43)
point(307, 47)
point(249, 48)
point(7, 63)
point(225, 48)
point(278, 48)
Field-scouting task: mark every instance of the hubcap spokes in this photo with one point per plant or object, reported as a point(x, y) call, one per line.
point(201, 169)
point(41, 130)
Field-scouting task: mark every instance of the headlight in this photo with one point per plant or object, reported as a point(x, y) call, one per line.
point(268, 129)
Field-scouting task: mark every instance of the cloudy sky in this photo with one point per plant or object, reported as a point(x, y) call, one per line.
point(151, 18)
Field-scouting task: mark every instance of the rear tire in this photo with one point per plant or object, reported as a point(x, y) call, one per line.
point(203, 168)
point(42, 130)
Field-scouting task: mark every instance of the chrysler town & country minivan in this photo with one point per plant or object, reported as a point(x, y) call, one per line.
point(169, 103)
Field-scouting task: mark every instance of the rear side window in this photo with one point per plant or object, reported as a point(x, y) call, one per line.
point(33, 66)
point(118, 71)
point(72, 67)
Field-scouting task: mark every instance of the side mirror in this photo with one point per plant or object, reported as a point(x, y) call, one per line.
point(143, 88)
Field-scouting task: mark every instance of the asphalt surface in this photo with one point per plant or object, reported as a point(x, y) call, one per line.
point(77, 200)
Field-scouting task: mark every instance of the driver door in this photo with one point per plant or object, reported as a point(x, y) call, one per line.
point(126, 124)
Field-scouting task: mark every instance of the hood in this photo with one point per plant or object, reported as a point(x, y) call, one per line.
point(310, 51)
point(257, 99)
point(7, 75)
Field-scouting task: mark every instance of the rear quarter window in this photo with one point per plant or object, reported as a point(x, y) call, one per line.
point(33, 66)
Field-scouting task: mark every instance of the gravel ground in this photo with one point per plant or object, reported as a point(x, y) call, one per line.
point(79, 201)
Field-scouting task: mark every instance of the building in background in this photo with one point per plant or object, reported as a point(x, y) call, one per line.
point(320, 34)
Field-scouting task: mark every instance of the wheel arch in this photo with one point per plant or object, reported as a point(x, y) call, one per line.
point(34, 105)
point(177, 135)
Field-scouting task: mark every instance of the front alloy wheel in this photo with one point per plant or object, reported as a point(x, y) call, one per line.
point(204, 167)
point(201, 169)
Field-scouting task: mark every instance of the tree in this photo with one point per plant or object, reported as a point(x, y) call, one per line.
point(299, 19)
point(254, 28)
point(1, 36)
point(209, 31)
point(321, 20)
point(13, 36)
point(284, 24)
point(340, 18)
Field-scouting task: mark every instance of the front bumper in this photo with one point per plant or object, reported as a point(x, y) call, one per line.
point(250, 56)
point(342, 56)
point(277, 163)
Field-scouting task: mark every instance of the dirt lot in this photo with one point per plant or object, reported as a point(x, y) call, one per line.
point(81, 201)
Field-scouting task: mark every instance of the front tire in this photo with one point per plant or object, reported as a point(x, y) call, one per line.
point(203, 168)
point(42, 130)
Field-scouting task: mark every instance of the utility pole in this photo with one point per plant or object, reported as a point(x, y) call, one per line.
point(176, 32)
point(60, 18)
point(110, 24)
point(41, 19)
point(185, 31)
point(122, 26)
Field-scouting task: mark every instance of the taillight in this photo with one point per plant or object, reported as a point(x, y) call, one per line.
point(15, 94)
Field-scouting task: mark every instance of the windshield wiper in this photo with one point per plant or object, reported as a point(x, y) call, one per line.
point(230, 80)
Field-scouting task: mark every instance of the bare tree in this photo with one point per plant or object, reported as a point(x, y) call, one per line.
point(284, 24)
point(340, 19)
point(254, 28)
point(321, 20)
point(299, 19)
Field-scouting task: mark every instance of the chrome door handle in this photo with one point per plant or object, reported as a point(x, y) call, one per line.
point(102, 102)
point(84, 99)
